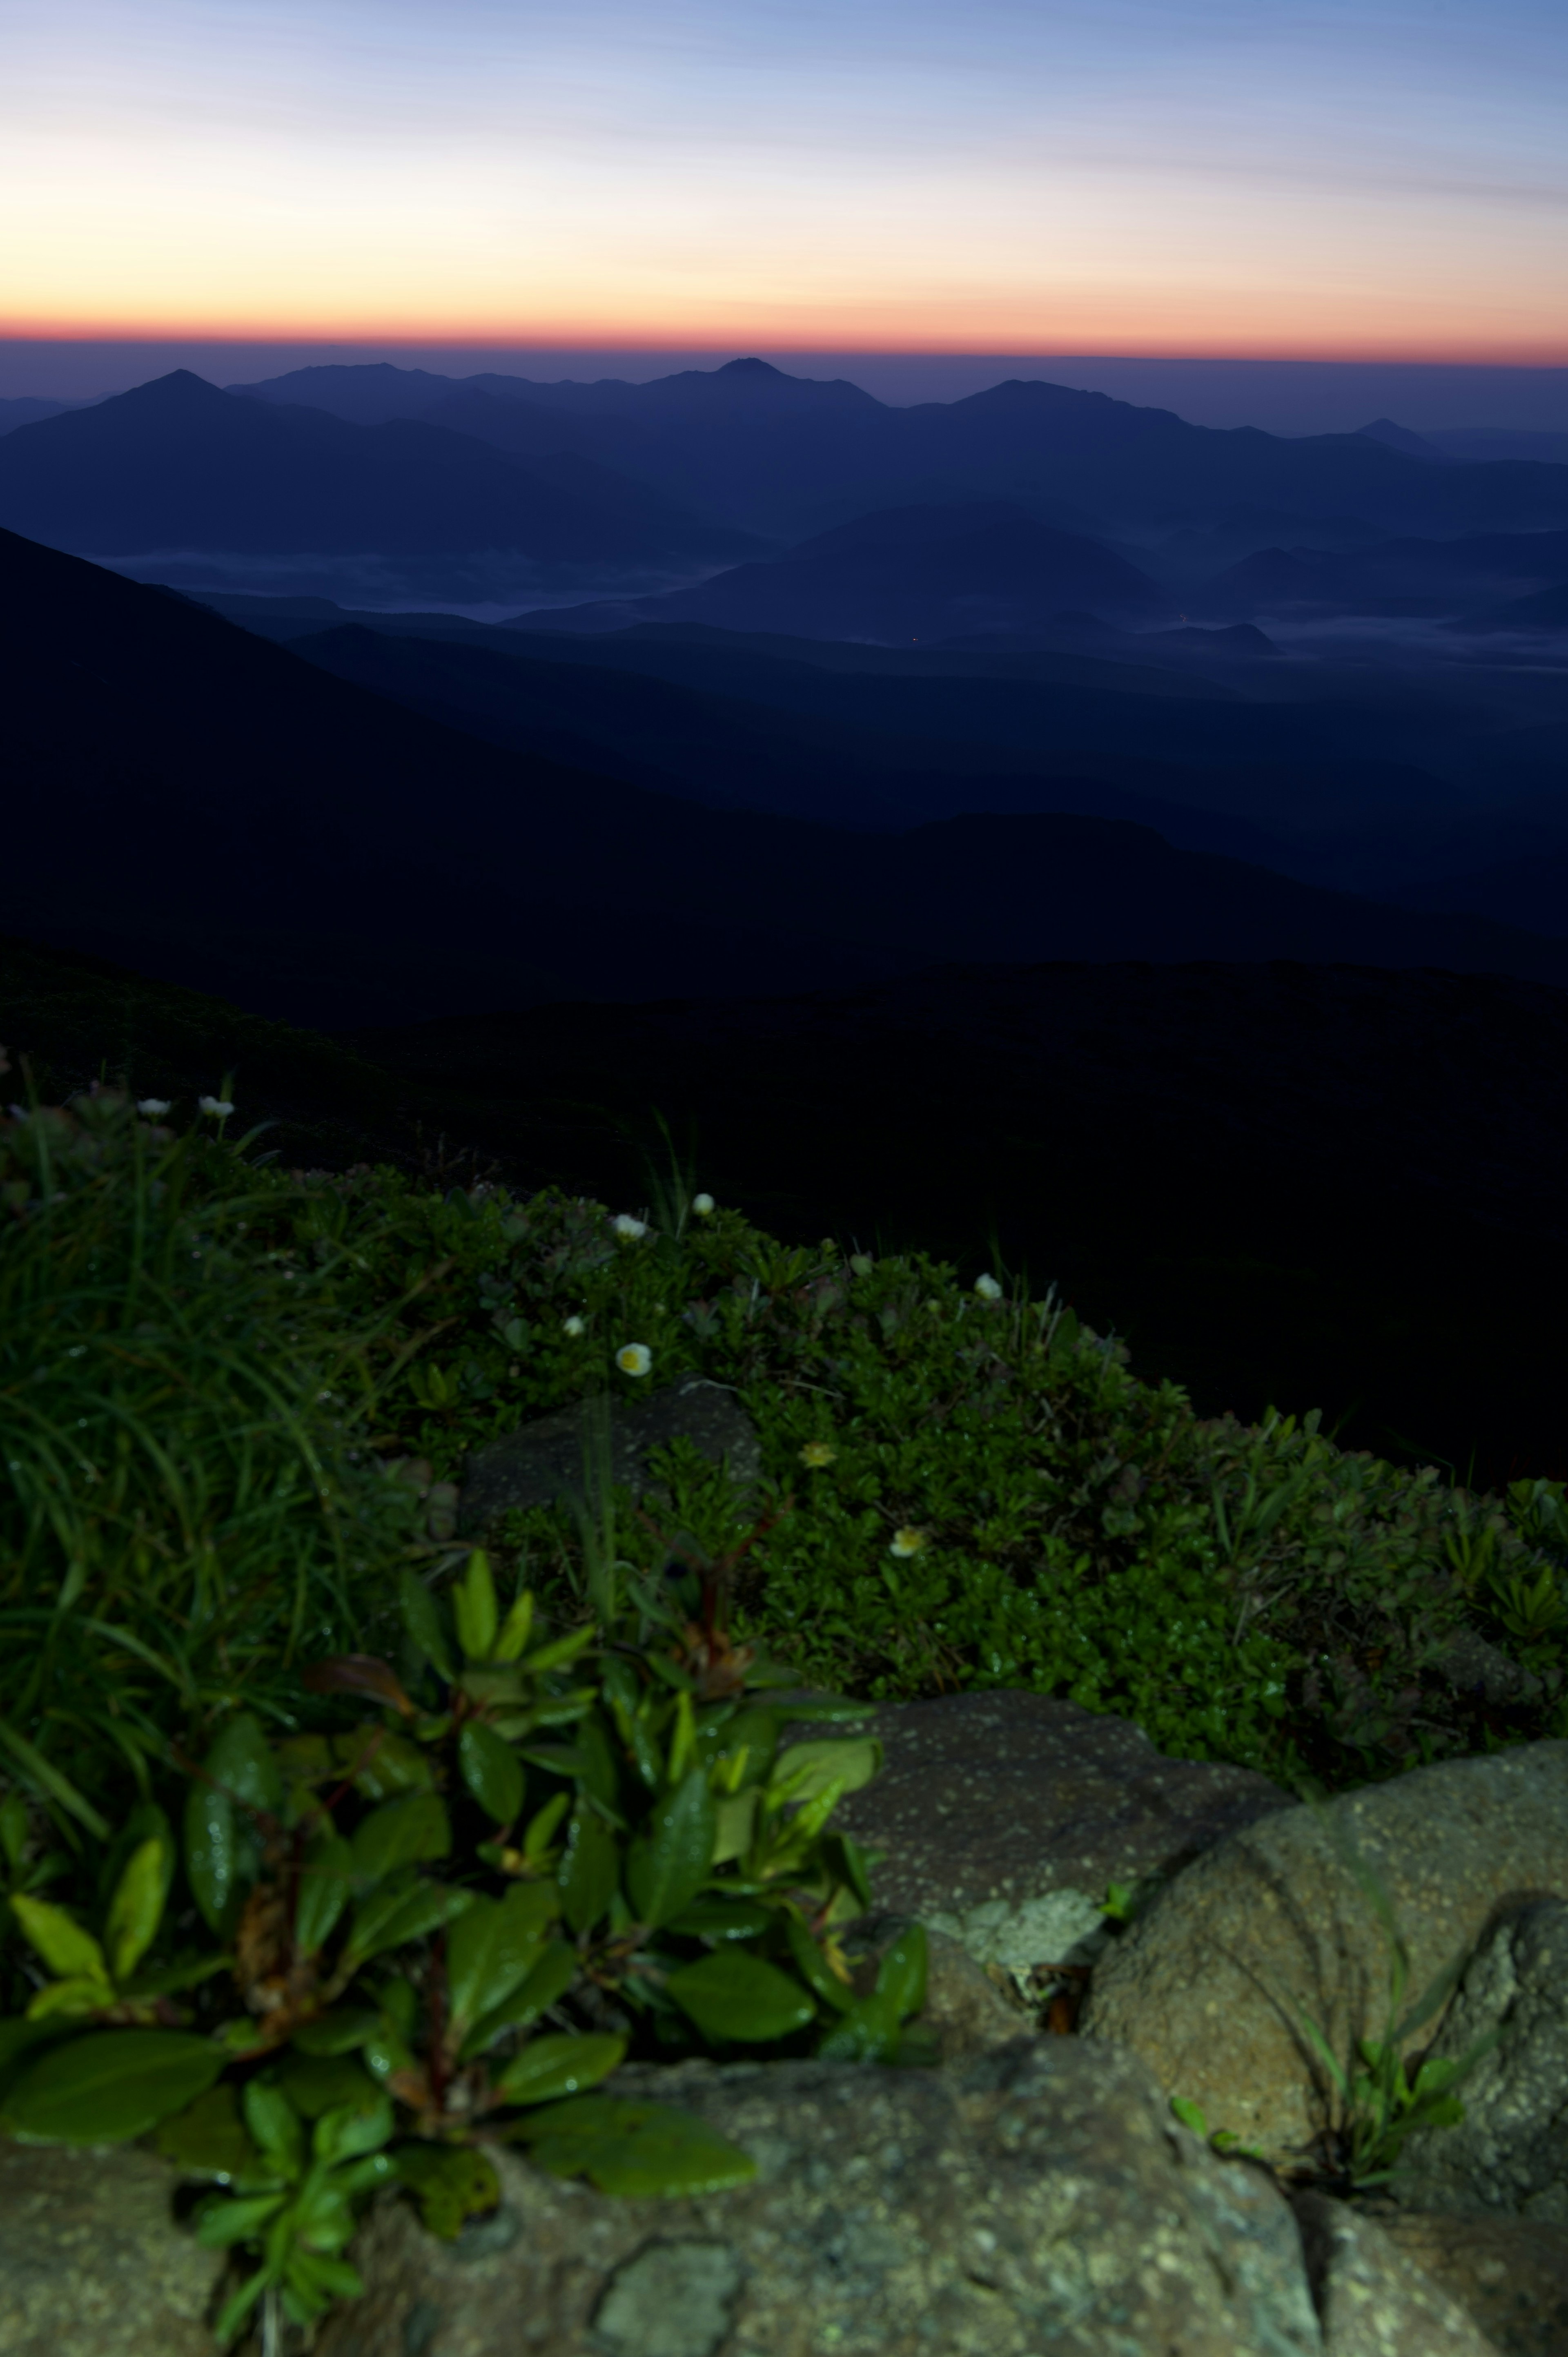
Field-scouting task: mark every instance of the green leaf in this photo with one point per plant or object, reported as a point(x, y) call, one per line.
point(541, 1828)
point(451, 2183)
point(136, 1909)
point(633, 2150)
point(110, 2086)
point(493, 1948)
point(393, 1765)
point(590, 1869)
point(422, 1618)
point(901, 1976)
point(351, 2130)
point(1191, 2115)
point(315, 2084)
point(755, 1732)
point(474, 1607)
point(550, 1978)
point(711, 1915)
point(491, 1770)
point(667, 1866)
point(735, 1826)
point(48, 1778)
point(223, 2223)
point(563, 1650)
point(846, 1862)
point(814, 1967)
point(868, 2031)
point(550, 2067)
point(324, 1883)
point(12, 1828)
point(401, 1833)
point(64, 1946)
point(735, 1997)
point(337, 2032)
point(808, 1770)
point(513, 1638)
point(275, 2126)
point(208, 2138)
point(419, 1909)
point(241, 1763)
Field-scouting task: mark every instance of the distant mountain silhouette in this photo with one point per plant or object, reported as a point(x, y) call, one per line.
point(1400, 437)
point(202, 804)
point(785, 455)
point(1546, 611)
point(903, 575)
point(178, 465)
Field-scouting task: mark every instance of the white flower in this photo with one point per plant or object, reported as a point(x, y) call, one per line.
point(906, 1542)
point(704, 1206)
point(634, 1359)
point(153, 1107)
point(219, 1107)
point(573, 1326)
point(988, 1288)
point(629, 1228)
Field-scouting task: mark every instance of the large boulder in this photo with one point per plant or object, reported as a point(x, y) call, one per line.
point(1510, 2153)
point(1371, 2299)
point(1200, 1986)
point(1042, 2199)
point(1004, 1817)
point(91, 2262)
point(1509, 2275)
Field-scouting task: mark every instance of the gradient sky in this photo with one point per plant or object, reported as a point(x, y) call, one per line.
point(1338, 177)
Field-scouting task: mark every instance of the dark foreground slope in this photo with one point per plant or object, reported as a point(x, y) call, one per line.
point(1328, 1187)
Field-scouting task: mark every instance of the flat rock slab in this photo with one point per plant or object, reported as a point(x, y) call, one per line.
point(543, 1460)
point(1203, 1985)
point(1003, 1818)
point(1042, 2199)
point(92, 2263)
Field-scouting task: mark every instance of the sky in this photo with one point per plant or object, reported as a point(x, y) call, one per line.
point(1313, 178)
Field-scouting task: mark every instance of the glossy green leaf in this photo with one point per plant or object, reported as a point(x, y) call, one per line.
point(561, 1651)
point(111, 2085)
point(146, 1821)
point(491, 1770)
point(846, 1862)
point(713, 1917)
point(420, 1909)
point(513, 1640)
point(215, 1858)
point(208, 2137)
point(135, 1907)
point(451, 2183)
point(590, 1868)
point(805, 1771)
point(735, 1826)
point(276, 2126)
point(422, 1618)
point(868, 2032)
point(550, 1979)
point(242, 1762)
point(547, 2068)
point(755, 1732)
point(382, 1765)
point(814, 1967)
point(338, 2031)
point(324, 1877)
point(223, 2223)
point(59, 1939)
point(474, 1607)
point(315, 2084)
point(667, 1865)
point(735, 1997)
point(632, 2150)
point(542, 1827)
point(350, 2130)
point(901, 1976)
point(401, 1833)
point(493, 1947)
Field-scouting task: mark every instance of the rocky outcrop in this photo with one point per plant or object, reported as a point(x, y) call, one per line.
point(1373, 2301)
point(1042, 2199)
point(1200, 1985)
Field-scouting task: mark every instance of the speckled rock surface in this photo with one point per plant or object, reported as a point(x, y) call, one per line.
point(1041, 2200)
point(1509, 2275)
point(1373, 2301)
point(1004, 1816)
point(968, 2009)
point(1193, 1987)
point(544, 1459)
point(1510, 2153)
point(92, 2263)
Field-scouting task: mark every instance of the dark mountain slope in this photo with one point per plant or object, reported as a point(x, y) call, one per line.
point(178, 465)
point(202, 803)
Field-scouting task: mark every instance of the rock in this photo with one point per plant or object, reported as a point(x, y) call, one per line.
point(91, 2262)
point(1003, 1818)
point(1041, 2199)
point(1510, 2153)
point(1509, 2275)
point(1373, 2301)
point(967, 2012)
point(1194, 1985)
point(544, 1460)
point(1470, 1665)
